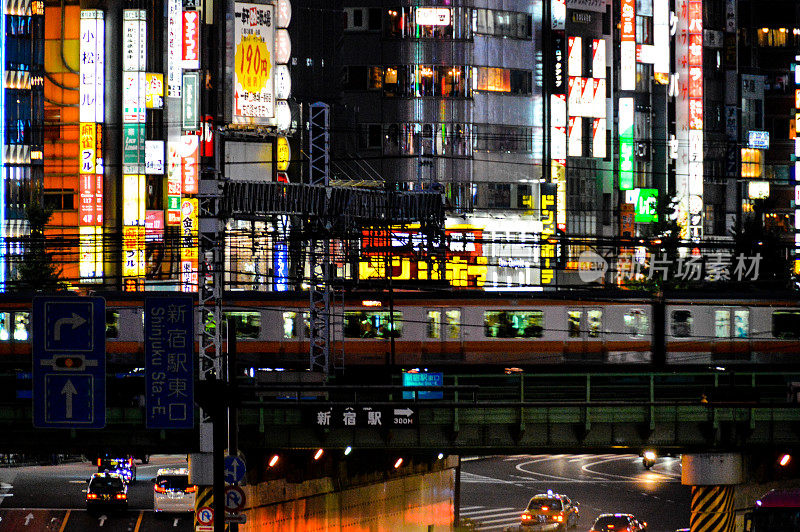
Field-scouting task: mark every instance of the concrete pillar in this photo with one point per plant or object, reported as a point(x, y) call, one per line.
point(712, 477)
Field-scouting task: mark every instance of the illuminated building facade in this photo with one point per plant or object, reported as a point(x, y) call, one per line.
point(124, 137)
point(21, 98)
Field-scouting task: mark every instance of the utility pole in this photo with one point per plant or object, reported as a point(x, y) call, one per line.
point(206, 468)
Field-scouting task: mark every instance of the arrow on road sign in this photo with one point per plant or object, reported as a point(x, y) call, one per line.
point(68, 391)
point(75, 321)
point(403, 412)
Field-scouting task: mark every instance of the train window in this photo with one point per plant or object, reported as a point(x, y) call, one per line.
point(453, 322)
point(451, 327)
point(112, 324)
point(375, 324)
point(5, 317)
point(14, 326)
point(741, 323)
point(513, 324)
point(248, 324)
point(22, 322)
point(722, 323)
point(595, 318)
point(786, 324)
point(681, 323)
point(636, 323)
point(574, 323)
point(434, 324)
point(289, 328)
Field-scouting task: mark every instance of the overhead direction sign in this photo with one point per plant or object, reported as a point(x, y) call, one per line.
point(69, 362)
point(362, 416)
point(169, 362)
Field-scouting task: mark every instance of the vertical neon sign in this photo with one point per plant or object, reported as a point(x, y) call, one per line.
point(92, 111)
point(3, 249)
point(796, 166)
point(695, 90)
point(625, 143)
point(627, 47)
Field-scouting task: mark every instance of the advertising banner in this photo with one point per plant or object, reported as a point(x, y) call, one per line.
point(253, 76)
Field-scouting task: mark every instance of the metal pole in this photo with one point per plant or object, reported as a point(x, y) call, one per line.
point(230, 372)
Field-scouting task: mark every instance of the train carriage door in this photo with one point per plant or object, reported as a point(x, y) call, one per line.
point(730, 327)
point(584, 334)
point(444, 333)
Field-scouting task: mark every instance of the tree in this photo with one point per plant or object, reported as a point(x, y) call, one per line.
point(663, 239)
point(37, 271)
point(754, 238)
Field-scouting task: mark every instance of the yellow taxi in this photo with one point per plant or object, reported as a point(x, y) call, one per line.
point(548, 512)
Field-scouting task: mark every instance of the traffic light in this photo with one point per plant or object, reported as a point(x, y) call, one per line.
point(69, 362)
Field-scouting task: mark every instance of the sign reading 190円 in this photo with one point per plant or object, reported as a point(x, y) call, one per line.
point(254, 62)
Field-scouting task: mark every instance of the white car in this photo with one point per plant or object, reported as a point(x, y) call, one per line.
point(172, 491)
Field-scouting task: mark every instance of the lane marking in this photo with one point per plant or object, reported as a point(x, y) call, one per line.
point(64, 523)
point(138, 521)
point(490, 510)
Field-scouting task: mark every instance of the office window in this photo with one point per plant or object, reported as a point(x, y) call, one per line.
point(501, 23)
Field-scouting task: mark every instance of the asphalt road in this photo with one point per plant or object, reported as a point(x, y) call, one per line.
point(44, 498)
point(495, 490)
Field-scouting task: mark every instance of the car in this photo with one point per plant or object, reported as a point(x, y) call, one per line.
point(125, 467)
point(172, 491)
point(618, 523)
point(549, 512)
point(107, 490)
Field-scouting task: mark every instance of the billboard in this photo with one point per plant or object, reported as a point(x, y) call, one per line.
point(627, 60)
point(92, 66)
point(625, 143)
point(253, 76)
point(190, 43)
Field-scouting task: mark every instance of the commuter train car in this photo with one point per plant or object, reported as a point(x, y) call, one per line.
point(472, 330)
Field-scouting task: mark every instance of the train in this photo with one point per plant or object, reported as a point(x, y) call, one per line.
point(472, 330)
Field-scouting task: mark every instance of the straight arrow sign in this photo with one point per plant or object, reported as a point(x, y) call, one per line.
point(68, 391)
point(403, 412)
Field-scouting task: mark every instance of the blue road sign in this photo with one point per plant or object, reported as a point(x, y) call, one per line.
point(234, 469)
point(69, 362)
point(169, 362)
point(423, 379)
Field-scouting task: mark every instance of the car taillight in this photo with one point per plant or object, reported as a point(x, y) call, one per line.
point(91, 495)
point(526, 517)
point(122, 496)
point(560, 518)
point(191, 489)
point(159, 489)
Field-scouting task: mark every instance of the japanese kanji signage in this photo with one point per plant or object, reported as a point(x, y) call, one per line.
point(169, 362)
point(364, 417)
point(254, 58)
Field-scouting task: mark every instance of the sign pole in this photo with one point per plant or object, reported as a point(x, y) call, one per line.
point(233, 444)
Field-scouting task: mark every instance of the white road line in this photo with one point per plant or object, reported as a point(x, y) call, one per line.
point(488, 510)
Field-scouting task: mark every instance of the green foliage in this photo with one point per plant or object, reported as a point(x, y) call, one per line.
point(37, 271)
